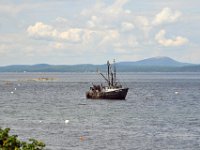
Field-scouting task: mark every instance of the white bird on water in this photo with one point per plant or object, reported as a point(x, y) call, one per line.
point(66, 121)
point(176, 92)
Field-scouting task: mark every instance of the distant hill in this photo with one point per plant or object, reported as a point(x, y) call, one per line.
point(156, 61)
point(155, 64)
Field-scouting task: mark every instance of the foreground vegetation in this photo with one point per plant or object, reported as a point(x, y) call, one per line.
point(11, 142)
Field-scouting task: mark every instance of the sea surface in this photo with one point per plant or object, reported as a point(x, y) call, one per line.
point(161, 111)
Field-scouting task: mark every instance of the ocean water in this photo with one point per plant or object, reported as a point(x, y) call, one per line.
point(161, 111)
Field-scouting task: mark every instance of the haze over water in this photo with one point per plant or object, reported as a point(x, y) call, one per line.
point(161, 111)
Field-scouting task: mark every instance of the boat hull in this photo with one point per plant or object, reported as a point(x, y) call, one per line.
point(119, 94)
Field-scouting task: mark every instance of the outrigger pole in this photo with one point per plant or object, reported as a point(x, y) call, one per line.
point(104, 77)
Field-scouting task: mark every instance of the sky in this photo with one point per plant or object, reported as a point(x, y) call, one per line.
point(94, 31)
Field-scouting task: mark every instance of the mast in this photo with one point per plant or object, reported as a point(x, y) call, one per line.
point(111, 74)
point(115, 78)
point(108, 64)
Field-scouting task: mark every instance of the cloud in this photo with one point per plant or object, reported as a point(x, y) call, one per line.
point(114, 9)
point(75, 38)
point(127, 26)
point(117, 7)
point(177, 41)
point(61, 20)
point(58, 45)
point(166, 16)
point(3, 49)
point(48, 32)
point(102, 39)
point(109, 36)
point(106, 28)
point(124, 45)
point(94, 22)
point(13, 8)
point(143, 24)
point(41, 30)
point(102, 18)
point(72, 35)
point(102, 15)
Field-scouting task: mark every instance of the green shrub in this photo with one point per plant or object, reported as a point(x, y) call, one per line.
point(10, 142)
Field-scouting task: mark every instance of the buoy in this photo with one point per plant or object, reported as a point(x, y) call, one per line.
point(176, 92)
point(82, 138)
point(66, 121)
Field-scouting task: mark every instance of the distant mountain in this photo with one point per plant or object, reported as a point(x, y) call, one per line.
point(154, 64)
point(156, 61)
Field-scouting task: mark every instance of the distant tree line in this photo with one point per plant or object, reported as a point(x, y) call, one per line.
point(93, 68)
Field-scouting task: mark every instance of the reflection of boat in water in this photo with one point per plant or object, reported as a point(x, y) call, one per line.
point(113, 90)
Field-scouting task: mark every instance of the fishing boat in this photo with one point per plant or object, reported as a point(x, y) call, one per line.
point(113, 89)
